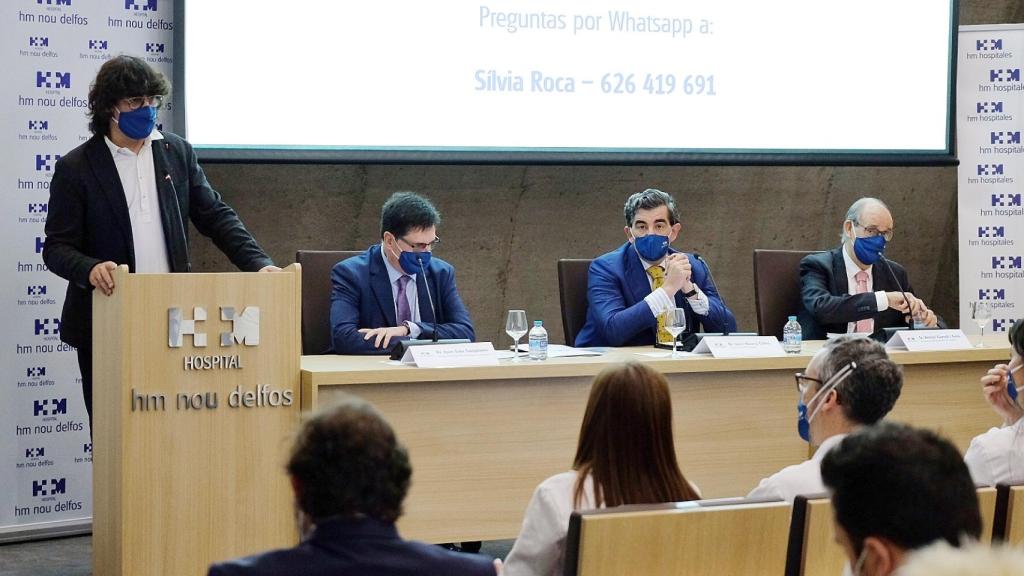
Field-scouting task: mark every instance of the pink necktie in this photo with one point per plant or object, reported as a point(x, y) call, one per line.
point(868, 324)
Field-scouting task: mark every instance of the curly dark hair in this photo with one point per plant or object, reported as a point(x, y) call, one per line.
point(347, 461)
point(869, 392)
point(121, 77)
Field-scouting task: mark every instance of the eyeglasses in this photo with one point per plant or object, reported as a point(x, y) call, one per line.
point(873, 231)
point(421, 246)
point(803, 382)
point(137, 102)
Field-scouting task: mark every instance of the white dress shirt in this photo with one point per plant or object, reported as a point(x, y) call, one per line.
point(660, 301)
point(411, 292)
point(802, 478)
point(997, 456)
point(540, 548)
point(138, 178)
point(881, 300)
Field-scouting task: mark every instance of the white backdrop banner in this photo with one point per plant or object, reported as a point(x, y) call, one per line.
point(51, 52)
point(990, 122)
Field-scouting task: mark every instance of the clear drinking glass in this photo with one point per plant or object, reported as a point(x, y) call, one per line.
point(981, 313)
point(515, 327)
point(675, 324)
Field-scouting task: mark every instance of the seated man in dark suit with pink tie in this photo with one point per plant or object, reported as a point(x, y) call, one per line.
point(350, 475)
point(842, 290)
point(396, 290)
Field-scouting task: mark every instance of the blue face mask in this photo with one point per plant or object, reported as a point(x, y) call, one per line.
point(868, 250)
point(803, 420)
point(410, 261)
point(139, 123)
point(1011, 386)
point(652, 247)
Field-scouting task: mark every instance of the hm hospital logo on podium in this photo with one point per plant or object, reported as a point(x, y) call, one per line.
point(245, 330)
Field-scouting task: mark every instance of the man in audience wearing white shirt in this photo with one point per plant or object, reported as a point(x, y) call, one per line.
point(997, 456)
point(849, 383)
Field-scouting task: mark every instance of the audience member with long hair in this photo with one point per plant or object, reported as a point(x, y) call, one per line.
point(625, 455)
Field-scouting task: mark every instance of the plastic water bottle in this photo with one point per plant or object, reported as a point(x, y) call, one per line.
point(792, 336)
point(538, 341)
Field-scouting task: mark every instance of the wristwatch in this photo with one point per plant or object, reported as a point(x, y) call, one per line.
point(691, 293)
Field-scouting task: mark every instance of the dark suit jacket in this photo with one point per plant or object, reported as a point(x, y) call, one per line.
point(87, 221)
point(361, 297)
point(825, 302)
point(363, 547)
point(617, 314)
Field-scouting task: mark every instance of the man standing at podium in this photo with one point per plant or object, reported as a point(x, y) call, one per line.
point(631, 288)
point(123, 197)
point(396, 290)
point(842, 291)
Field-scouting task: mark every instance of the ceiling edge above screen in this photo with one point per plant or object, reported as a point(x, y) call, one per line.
point(538, 156)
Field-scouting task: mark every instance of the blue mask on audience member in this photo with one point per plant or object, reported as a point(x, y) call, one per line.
point(410, 261)
point(803, 420)
point(137, 124)
point(652, 247)
point(868, 250)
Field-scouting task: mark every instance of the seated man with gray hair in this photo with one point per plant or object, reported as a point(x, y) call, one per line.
point(350, 475)
point(848, 384)
point(842, 291)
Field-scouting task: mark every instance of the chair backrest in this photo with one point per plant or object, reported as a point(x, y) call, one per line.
point(1009, 515)
point(690, 538)
point(316, 297)
point(812, 546)
point(988, 504)
point(776, 288)
point(572, 294)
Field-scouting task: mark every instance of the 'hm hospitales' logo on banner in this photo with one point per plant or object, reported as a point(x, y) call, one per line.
point(140, 5)
point(992, 294)
point(991, 232)
point(1005, 137)
point(987, 45)
point(1007, 263)
point(1006, 200)
point(1004, 75)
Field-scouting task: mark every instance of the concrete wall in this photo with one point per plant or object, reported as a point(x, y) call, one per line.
point(505, 226)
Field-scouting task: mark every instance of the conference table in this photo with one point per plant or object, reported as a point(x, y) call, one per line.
point(482, 438)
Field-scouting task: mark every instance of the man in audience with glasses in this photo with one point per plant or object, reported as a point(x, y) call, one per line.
point(848, 384)
point(396, 289)
point(631, 289)
point(126, 196)
point(843, 291)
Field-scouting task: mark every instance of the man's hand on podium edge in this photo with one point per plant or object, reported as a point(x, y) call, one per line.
point(270, 268)
point(101, 278)
point(382, 336)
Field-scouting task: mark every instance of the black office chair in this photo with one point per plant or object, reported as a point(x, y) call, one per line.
point(316, 297)
point(572, 294)
point(776, 288)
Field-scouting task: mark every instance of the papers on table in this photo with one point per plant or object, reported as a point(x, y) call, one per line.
point(554, 351)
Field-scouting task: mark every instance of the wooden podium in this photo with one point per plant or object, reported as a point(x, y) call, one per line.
point(190, 440)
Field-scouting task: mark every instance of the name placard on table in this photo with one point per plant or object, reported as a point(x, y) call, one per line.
point(451, 355)
point(740, 347)
point(928, 340)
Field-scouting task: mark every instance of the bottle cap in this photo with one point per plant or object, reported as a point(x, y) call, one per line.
point(792, 317)
point(538, 323)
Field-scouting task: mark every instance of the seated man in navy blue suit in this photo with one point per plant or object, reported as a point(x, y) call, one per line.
point(350, 475)
point(382, 295)
point(631, 288)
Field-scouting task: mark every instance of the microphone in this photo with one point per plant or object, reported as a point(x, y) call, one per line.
point(712, 278)
point(181, 222)
point(881, 258)
point(430, 299)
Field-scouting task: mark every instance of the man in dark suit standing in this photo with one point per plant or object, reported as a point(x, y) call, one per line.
point(396, 290)
point(123, 197)
point(630, 288)
point(350, 475)
point(842, 291)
